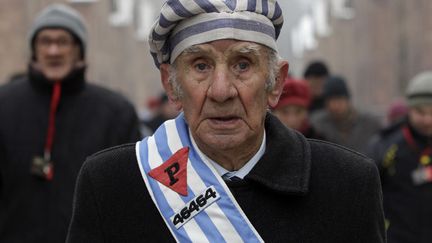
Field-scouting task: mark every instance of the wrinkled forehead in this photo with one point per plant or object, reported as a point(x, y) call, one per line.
point(224, 47)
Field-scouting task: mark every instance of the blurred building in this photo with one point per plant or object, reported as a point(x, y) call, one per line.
point(379, 46)
point(117, 55)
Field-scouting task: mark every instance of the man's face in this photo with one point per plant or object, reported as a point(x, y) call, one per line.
point(292, 116)
point(316, 84)
point(338, 106)
point(56, 53)
point(421, 119)
point(223, 93)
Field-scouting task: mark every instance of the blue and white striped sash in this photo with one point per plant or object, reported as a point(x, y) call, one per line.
point(222, 221)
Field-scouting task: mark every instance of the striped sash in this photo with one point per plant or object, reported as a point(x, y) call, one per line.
point(209, 212)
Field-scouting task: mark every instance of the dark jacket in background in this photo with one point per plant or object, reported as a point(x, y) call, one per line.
point(353, 132)
point(300, 191)
point(310, 132)
point(317, 104)
point(407, 206)
point(89, 118)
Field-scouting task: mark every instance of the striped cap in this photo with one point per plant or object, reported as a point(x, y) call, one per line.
point(183, 23)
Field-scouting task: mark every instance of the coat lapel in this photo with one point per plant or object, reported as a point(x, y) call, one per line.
point(285, 166)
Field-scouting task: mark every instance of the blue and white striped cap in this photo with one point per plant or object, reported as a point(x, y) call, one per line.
point(183, 23)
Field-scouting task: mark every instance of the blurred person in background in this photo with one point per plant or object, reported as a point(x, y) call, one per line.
point(315, 74)
point(51, 121)
point(17, 76)
point(162, 110)
point(340, 122)
point(147, 114)
point(292, 108)
point(225, 170)
point(403, 153)
point(397, 111)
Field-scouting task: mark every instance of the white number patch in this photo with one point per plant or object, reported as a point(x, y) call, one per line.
point(195, 206)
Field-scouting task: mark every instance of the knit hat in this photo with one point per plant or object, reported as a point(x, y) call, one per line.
point(316, 69)
point(419, 90)
point(182, 24)
point(295, 92)
point(335, 87)
point(60, 16)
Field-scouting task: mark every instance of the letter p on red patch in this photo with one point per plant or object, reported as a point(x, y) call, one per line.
point(173, 172)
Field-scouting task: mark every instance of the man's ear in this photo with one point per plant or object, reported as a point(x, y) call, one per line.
point(167, 85)
point(274, 94)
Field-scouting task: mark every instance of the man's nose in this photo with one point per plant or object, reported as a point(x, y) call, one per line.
point(428, 119)
point(53, 49)
point(222, 87)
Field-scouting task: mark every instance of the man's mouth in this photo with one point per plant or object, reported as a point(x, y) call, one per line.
point(55, 64)
point(224, 121)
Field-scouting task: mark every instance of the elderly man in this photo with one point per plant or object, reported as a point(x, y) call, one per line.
point(225, 170)
point(51, 120)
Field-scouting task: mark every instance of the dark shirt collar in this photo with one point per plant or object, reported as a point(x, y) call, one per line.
point(418, 137)
point(72, 83)
point(286, 164)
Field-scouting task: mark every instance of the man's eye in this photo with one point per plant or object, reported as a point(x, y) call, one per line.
point(64, 42)
point(201, 66)
point(242, 66)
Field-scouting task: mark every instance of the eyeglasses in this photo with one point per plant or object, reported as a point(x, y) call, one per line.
point(62, 42)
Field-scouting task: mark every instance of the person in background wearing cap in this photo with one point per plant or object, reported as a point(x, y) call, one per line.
point(403, 154)
point(398, 110)
point(292, 108)
point(316, 74)
point(340, 122)
point(51, 121)
point(225, 170)
point(163, 110)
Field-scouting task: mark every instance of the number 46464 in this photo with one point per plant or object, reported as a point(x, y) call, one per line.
point(195, 206)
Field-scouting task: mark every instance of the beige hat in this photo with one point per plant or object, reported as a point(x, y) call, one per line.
point(419, 90)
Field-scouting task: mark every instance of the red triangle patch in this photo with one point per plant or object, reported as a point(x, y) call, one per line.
point(173, 172)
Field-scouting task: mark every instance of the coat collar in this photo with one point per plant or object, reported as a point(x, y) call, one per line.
point(73, 83)
point(286, 164)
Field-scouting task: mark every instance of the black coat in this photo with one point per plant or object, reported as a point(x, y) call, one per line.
point(89, 118)
point(407, 205)
point(300, 191)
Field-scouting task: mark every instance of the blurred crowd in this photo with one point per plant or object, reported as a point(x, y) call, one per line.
point(52, 119)
point(319, 106)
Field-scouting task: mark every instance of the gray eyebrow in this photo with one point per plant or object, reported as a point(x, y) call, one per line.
point(250, 49)
point(192, 49)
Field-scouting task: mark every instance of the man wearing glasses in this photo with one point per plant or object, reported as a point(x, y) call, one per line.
point(51, 120)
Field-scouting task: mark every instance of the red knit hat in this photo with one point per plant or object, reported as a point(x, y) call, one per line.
point(295, 92)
